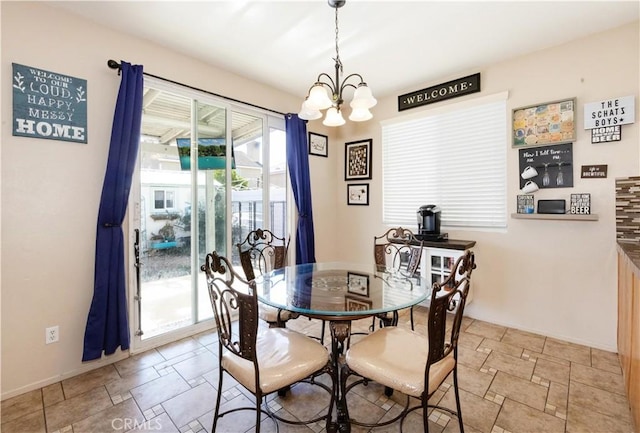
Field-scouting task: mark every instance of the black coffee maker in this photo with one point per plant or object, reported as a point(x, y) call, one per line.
point(429, 223)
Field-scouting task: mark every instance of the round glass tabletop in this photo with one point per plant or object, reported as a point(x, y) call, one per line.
point(340, 289)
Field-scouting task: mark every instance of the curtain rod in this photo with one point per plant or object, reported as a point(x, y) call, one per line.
point(115, 65)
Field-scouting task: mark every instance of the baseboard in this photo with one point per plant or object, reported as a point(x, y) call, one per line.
point(613, 348)
point(152, 343)
point(84, 368)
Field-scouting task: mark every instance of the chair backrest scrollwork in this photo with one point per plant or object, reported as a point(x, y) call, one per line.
point(262, 252)
point(448, 296)
point(228, 301)
point(398, 249)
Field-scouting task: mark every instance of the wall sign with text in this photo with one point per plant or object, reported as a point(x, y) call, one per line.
point(593, 171)
point(606, 134)
point(525, 203)
point(547, 167)
point(580, 204)
point(440, 92)
point(49, 105)
point(611, 112)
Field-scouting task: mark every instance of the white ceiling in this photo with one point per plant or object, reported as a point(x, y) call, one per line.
point(396, 46)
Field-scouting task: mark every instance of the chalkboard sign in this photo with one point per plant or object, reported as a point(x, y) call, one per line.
point(49, 105)
point(548, 166)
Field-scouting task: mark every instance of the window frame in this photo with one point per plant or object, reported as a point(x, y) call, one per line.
point(165, 193)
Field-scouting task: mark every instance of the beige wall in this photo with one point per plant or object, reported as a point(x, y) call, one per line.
point(556, 278)
point(51, 189)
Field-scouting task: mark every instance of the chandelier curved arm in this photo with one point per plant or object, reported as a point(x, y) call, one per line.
point(345, 83)
point(333, 86)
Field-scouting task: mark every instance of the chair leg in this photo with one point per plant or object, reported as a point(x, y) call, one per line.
point(343, 408)
point(282, 392)
point(457, 393)
point(425, 415)
point(322, 333)
point(258, 412)
point(217, 409)
point(411, 314)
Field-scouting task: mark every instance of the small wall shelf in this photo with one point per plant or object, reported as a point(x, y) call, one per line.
point(549, 216)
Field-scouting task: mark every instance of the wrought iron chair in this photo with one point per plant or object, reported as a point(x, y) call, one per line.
point(398, 249)
point(407, 361)
point(262, 360)
point(261, 252)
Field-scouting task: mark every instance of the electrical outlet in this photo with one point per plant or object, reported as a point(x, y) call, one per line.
point(51, 334)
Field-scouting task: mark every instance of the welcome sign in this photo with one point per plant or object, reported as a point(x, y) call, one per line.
point(441, 92)
point(49, 105)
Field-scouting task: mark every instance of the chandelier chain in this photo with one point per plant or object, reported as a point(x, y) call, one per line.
point(337, 59)
point(327, 91)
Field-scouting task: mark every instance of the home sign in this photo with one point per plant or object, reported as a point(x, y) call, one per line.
point(49, 105)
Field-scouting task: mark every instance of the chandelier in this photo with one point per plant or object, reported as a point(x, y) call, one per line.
point(327, 93)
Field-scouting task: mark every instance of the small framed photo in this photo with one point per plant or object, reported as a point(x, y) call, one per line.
point(318, 144)
point(353, 303)
point(358, 194)
point(357, 160)
point(358, 284)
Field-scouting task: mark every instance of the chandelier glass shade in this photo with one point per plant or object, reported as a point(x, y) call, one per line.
point(327, 93)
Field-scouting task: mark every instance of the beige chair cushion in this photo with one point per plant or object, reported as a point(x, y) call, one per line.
point(396, 357)
point(270, 314)
point(284, 358)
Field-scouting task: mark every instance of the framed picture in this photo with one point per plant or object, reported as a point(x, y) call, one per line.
point(358, 284)
point(357, 160)
point(352, 303)
point(318, 144)
point(543, 124)
point(358, 194)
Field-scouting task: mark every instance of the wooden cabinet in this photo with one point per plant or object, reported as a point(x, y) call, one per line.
point(629, 327)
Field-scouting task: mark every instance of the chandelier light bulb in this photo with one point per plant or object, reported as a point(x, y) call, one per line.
point(318, 98)
point(363, 98)
point(360, 115)
point(307, 113)
point(333, 118)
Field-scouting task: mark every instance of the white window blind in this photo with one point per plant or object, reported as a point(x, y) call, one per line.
point(455, 159)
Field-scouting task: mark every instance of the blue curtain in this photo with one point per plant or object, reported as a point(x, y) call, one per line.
point(107, 324)
point(298, 161)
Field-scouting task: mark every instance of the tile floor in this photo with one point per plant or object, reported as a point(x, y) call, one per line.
point(511, 381)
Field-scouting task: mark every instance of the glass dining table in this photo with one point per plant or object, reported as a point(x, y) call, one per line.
point(338, 293)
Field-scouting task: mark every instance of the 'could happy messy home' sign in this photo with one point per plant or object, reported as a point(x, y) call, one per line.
point(49, 105)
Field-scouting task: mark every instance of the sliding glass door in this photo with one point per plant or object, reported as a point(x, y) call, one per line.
point(208, 173)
